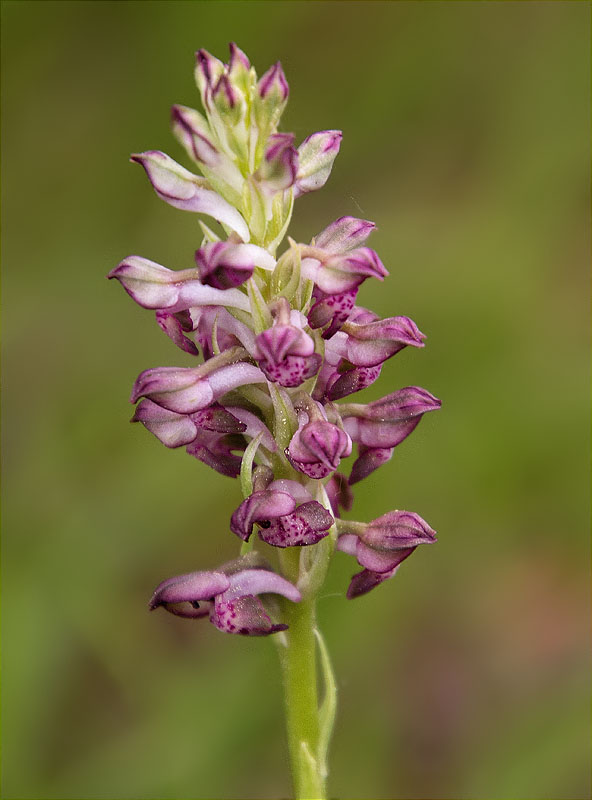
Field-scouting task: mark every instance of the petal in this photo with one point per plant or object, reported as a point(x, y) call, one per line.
point(193, 586)
point(275, 344)
point(173, 327)
point(193, 610)
point(254, 426)
point(366, 580)
point(179, 389)
point(368, 460)
point(208, 69)
point(378, 560)
point(326, 442)
point(317, 448)
point(218, 419)
point(347, 543)
point(231, 377)
point(215, 450)
point(182, 189)
point(299, 492)
point(226, 265)
point(173, 430)
point(260, 581)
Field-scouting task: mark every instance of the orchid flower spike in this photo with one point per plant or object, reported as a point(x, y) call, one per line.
point(277, 343)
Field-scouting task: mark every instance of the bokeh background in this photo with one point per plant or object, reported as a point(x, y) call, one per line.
point(467, 140)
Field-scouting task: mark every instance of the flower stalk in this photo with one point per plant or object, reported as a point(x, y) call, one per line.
point(299, 668)
point(279, 342)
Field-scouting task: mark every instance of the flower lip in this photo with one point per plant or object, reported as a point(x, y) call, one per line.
point(285, 353)
point(306, 525)
point(317, 447)
point(260, 507)
point(286, 515)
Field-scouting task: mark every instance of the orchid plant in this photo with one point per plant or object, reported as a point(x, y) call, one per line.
point(279, 342)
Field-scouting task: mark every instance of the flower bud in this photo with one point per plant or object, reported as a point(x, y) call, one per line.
point(208, 70)
point(346, 233)
point(396, 530)
point(239, 70)
point(271, 97)
point(193, 132)
point(279, 165)
point(381, 545)
point(386, 422)
point(316, 155)
point(227, 101)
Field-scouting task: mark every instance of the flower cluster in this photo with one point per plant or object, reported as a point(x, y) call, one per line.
point(278, 341)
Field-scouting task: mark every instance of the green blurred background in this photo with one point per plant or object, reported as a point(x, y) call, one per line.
point(466, 139)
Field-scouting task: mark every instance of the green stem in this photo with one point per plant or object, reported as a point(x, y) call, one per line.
point(298, 660)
